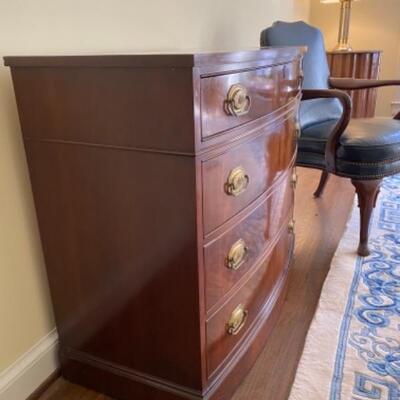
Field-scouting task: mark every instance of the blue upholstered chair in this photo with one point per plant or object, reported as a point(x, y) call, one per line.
point(364, 150)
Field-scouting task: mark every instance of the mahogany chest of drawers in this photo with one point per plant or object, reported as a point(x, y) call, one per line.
point(163, 186)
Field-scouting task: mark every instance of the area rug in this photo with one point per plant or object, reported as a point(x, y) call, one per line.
point(352, 350)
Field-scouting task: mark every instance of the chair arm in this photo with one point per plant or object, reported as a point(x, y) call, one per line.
point(334, 137)
point(354, 84)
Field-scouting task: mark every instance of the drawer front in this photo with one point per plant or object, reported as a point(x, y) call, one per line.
point(232, 180)
point(228, 101)
point(228, 258)
point(226, 329)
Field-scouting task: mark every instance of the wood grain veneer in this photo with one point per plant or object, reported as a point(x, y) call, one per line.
point(320, 225)
point(360, 65)
point(264, 158)
point(259, 230)
point(254, 294)
point(262, 85)
point(129, 186)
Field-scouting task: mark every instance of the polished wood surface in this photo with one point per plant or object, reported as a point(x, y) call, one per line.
point(104, 270)
point(360, 65)
point(367, 194)
point(85, 119)
point(320, 224)
point(260, 85)
point(258, 230)
point(264, 159)
point(209, 61)
point(253, 295)
point(354, 84)
point(128, 192)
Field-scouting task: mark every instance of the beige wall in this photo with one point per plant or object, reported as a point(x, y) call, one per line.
point(374, 25)
point(90, 26)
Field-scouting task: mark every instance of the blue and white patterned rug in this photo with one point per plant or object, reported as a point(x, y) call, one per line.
point(352, 351)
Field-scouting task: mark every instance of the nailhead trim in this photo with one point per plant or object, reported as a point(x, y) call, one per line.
point(356, 177)
point(371, 163)
point(368, 177)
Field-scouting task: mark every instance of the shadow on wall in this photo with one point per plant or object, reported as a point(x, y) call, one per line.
point(23, 283)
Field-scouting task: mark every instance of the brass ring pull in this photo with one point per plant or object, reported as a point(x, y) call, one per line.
point(297, 129)
point(238, 101)
point(237, 182)
point(294, 180)
point(301, 79)
point(237, 320)
point(237, 255)
point(291, 226)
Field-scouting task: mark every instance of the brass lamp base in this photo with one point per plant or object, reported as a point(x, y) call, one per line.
point(343, 47)
point(344, 26)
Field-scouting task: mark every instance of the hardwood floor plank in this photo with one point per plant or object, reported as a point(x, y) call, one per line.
point(319, 226)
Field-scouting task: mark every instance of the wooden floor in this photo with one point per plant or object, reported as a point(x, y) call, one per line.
point(319, 227)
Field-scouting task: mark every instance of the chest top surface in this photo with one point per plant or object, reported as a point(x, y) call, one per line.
point(268, 55)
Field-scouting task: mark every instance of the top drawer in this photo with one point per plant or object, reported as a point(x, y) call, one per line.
point(228, 101)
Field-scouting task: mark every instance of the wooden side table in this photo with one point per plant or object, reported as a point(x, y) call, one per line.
point(358, 64)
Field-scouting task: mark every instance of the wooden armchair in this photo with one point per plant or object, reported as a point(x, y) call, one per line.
point(364, 150)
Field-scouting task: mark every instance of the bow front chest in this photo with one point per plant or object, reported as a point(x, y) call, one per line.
point(163, 187)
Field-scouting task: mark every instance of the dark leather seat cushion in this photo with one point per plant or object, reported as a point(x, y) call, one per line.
point(369, 148)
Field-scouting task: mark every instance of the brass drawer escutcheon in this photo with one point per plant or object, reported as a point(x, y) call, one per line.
point(297, 130)
point(238, 101)
point(237, 320)
point(237, 255)
point(237, 182)
point(301, 79)
point(294, 179)
point(291, 226)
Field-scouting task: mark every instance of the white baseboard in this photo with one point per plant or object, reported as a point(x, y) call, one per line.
point(23, 377)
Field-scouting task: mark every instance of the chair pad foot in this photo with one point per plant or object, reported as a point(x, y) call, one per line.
point(317, 195)
point(363, 250)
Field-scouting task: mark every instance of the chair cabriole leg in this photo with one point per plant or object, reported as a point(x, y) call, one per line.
point(367, 192)
point(322, 183)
